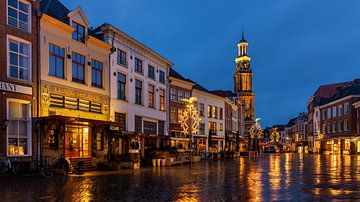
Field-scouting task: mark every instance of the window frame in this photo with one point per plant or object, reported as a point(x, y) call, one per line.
point(97, 70)
point(19, 40)
point(151, 96)
point(57, 57)
point(119, 57)
point(173, 95)
point(140, 93)
point(162, 94)
point(17, 9)
point(29, 122)
point(77, 33)
point(162, 77)
point(151, 72)
point(119, 82)
point(78, 63)
point(136, 63)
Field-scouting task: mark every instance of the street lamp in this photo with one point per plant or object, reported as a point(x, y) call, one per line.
point(189, 120)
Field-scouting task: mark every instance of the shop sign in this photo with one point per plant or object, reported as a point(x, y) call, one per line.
point(15, 88)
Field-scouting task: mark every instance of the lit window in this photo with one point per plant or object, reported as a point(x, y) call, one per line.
point(99, 141)
point(162, 100)
point(201, 109)
point(151, 96)
point(19, 55)
point(221, 127)
point(96, 73)
point(79, 32)
point(56, 60)
point(209, 111)
point(19, 14)
point(173, 117)
point(19, 128)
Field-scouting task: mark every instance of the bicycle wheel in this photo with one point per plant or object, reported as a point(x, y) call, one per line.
point(47, 171)
point(4, 169)
point(17, 169)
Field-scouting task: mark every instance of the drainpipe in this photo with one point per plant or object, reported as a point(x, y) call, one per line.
point(38, 69)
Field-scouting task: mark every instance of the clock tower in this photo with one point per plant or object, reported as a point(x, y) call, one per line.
point(243, 82)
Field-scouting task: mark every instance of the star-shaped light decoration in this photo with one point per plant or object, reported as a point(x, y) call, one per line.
point(190, 117)
point(256, 131)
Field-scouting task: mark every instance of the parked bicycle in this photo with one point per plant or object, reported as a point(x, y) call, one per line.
point(60, 165)
point(12, 167)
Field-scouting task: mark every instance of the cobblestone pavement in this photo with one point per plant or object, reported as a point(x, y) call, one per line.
point(267, 178)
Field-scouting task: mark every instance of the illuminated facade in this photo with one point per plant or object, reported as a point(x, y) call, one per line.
point(339, 133)
point(139, 89)
point(212, 125)
point(18, 76)
point(180, 88)
point(74, 86)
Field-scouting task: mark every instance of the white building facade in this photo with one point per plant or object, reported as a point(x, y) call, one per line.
point(212, 125)
point(138, 88)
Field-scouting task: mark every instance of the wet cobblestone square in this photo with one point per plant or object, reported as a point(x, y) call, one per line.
point(284, 177)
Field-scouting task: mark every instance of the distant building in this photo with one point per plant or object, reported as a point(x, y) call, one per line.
point(179, 88)
point(339, 121)
point(314, 126)
point(212, 124)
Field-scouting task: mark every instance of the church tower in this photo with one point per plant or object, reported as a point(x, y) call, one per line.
point(243, 82)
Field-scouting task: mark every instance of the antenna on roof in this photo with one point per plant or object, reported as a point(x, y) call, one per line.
point(113, 49)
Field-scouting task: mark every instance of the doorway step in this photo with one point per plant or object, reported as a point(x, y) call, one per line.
point(88, 164)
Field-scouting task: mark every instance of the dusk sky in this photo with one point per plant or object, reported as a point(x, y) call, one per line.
point(295, 45)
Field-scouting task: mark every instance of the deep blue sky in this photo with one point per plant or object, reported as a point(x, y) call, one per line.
point(295, 45)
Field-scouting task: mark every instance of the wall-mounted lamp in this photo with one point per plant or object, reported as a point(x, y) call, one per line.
point(4, 123)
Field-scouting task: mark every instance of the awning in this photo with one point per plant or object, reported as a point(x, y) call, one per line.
point(70, 120)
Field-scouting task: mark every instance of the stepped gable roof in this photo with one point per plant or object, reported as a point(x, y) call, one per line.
point(55, 9)
point(224, 93)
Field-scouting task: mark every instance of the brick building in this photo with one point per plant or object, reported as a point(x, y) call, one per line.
point(180, 88)
point(18, 78)
point(339, 121)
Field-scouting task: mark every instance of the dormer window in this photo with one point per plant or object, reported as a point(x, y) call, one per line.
point(79, 32)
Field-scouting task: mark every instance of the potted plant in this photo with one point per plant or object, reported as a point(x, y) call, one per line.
point(135, 161)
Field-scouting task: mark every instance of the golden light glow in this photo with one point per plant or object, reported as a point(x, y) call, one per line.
point(255, 130)
point(190, 119)
point(275, 136)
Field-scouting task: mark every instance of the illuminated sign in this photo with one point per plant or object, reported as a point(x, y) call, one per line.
point(15, 88)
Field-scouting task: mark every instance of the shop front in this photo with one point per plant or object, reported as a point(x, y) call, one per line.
point(230, 142)
point(74, 124)
point(339, 146)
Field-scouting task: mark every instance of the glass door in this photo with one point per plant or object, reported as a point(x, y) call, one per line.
point(77, 141)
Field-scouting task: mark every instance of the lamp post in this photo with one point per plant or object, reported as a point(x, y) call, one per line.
point(189, 120)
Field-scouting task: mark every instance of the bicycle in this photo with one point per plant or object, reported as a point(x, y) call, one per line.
point(59, 165)
point(5, 167)
point(15, 167)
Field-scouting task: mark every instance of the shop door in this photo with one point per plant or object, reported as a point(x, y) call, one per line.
point(77, 141)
